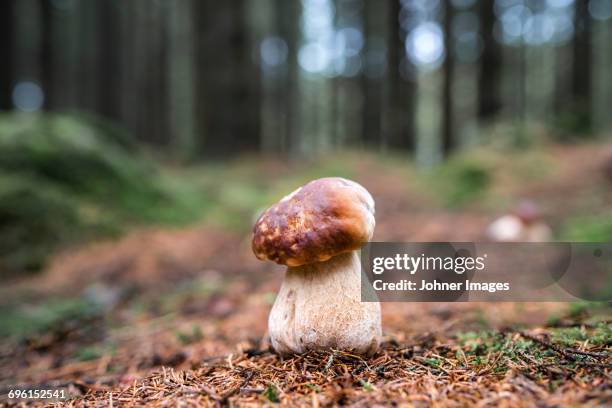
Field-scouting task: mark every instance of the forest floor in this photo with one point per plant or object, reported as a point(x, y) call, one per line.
point(166, 316)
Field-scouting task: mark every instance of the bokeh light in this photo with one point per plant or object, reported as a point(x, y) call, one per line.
point(560, 3)
point(600, 9)
point(273, 51)
point(350, 41)
point(539, 29)
point(28, 96)
point(512, 22)
point(314, 58)
point(425, 45)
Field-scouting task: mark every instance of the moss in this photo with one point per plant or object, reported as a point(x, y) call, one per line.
point(588, 229)
point(34, 218)
point(22, 321)
point(602, 335)
point(64, 179)
point(461, 181)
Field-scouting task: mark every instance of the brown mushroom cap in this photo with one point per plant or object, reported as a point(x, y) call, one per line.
point(322, 219)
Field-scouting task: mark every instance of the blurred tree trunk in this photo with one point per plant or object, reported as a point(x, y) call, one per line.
point(336, 112)
point(109, 57)
point(59, 56)
point(563, 68)
point(288, 22)
point(66, 59)
point(142, 77)
point(448, 137)
point(180, 78)
point(46, 54)
point(228, 84)
point(7, 43)
point(27, 23)
point(155, 117)
point(88, 72)
point(373, 24)
point(128, 77)
point(581, 69)
point(489, 76)
point(520, 138)
point(401, 90)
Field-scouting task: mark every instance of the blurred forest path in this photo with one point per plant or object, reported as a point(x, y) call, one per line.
point(407, 209)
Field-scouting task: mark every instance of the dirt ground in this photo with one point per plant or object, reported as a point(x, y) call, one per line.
point(181, 315)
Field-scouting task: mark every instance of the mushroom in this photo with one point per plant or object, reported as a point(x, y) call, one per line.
point(316, 231)
point(525, 224)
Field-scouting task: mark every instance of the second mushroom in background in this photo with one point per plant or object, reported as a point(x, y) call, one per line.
point(524, 224)
point(316, 231)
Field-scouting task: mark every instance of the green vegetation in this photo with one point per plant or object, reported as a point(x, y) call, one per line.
point(581, 308)
point(480, 348)
point(573, 125)
point(26, 320)
point(68, 177)
point(89, 353)
point(462, 180)
point(35, 213)
point(190, 337)
point(600, 335)
point(366, 385)
point(588, 229)
point(484, 346)
point(271, 393)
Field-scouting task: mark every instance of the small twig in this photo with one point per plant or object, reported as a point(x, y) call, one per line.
point(329, 361)
point(588, 353)
point(551, 369)
point(595, 365)
point(252, 390)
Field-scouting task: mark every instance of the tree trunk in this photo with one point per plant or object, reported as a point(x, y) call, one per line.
point(180, 78)
point(109, 57)
point(288, 18)
point(581, 69)
point(401, 91)
point(46, 54)
point(155, 119)
point(228, 86)
point(489, 75)
point(7, 43)
point(88, 67)
point(448, 136)
point(373, 23)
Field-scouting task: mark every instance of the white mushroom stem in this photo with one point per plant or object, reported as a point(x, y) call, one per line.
point(319, 308)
